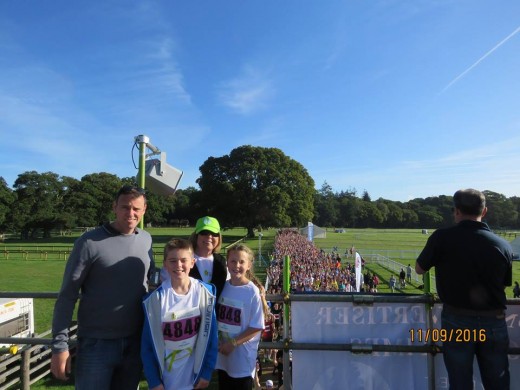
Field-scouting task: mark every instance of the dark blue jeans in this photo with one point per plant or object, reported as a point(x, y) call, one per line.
point(108, 364)
point(491, 354)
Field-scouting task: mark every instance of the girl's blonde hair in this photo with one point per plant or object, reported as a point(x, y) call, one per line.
point(250, 274)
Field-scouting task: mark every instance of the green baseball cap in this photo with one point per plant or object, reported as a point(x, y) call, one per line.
point(207, 223)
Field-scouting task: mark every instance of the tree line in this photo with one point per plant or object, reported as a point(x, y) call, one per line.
point(252, 187)
point(346, 209)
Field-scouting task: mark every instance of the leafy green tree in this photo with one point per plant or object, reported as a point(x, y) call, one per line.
point(441, 206)
point(159, 207)
point(325, 206)
point(501, 211)
point(410, 219)
point(429, 217)
point(368, 215)
point(39, 203)
point(515, 200)
point(67, 218)
point(186, 205)
point(394, 217)
point(7, 198)
point(91, 198)
point(445, 209)
point(366, 196)
point(250, 187)
point(256, 186)
point(348, 205)
point(383, 209)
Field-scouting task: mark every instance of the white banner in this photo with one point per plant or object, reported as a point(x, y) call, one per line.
point(380, 323)
point(310, 231)
point(357, 266)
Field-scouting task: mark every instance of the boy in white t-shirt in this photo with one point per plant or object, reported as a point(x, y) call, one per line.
point(179, 343)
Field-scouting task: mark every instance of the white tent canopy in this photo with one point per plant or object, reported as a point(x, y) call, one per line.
point(317, 232)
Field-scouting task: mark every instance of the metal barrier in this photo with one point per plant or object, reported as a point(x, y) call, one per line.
point(32, 363)
point(35, 253)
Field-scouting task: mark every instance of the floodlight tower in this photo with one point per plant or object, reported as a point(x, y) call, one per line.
point(144, 142)
point(155, 175)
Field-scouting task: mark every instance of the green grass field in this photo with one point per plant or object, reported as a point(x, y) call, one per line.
point(37, 274)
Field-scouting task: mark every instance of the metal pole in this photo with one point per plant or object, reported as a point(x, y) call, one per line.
point(143, 140)
point(287, 277)
point(429, 324)
point(286, 291)
point(427, 283)
point(259, 247)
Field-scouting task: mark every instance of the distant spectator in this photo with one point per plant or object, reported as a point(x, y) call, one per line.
point(402, 280)
point(267, 336)
point(258, 375)
point(375, 283)
point(392, 283)
point(409, 273)
point(278, 366)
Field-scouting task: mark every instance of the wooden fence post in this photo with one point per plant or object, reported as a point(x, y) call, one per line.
point(25, 372)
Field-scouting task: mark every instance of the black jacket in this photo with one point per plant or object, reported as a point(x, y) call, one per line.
point(219, 273)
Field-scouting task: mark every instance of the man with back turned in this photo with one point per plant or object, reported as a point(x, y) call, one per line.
point(472, 268)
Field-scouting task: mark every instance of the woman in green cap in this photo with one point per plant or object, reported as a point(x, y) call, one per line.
point(210, 266)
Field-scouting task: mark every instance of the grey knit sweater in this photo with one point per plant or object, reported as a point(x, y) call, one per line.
point(110, 270)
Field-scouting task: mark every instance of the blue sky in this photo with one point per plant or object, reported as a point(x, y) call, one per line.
point(404, 99)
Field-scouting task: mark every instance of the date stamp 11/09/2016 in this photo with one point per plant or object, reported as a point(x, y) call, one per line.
point(443, 335)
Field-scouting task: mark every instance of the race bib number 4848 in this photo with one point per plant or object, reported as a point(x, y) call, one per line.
point(229, 316)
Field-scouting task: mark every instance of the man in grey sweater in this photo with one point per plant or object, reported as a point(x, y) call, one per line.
point(110, 266)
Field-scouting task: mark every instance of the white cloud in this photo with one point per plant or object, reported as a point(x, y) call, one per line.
point(248, 93)
point(164, 72)
point(493, 166)
point(36, 129)
point(271, 133)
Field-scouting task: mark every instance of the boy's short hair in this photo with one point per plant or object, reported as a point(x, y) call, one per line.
point(177, 243)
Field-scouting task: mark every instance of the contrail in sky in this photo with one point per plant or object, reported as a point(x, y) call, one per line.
point(480, 59)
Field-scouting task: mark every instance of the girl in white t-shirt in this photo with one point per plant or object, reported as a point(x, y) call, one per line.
point(240, 316)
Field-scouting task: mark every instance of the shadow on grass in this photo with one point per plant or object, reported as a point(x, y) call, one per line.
point(34, 241)
point(69, 240)
point(163, 238)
